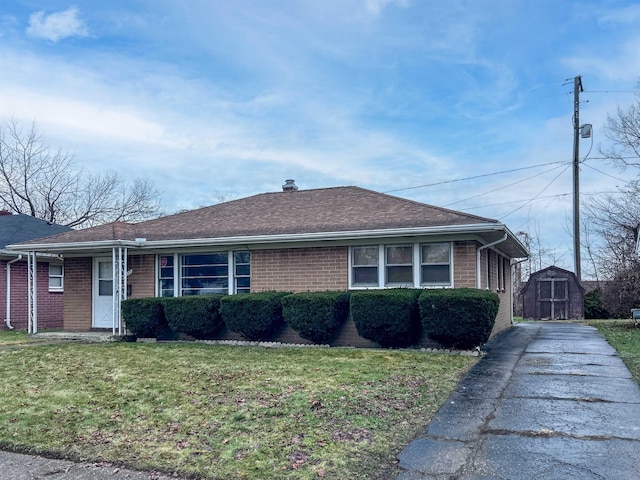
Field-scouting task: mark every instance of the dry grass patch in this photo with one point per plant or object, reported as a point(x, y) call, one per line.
point(14, 337)
point(222, 412)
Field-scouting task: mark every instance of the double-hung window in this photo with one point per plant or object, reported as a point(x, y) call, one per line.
point(408, 265)
point(399, 265)
point(435, 264)
point(56, 277)
point(364, 266)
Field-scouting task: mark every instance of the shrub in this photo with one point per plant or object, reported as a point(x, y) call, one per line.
point(198, 316)
point(593, 307)
point(256, 316)
point(316, 316)
point(388, 317)
point(144, 317)
point(458, 318)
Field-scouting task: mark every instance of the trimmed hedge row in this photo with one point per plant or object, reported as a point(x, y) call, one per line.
point(255, 316)
point(388, 317)
point(197, 316)
point(457, 318)
point(316, 316)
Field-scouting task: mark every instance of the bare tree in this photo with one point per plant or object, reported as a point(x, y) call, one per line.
point(42, 182)
point(623, 129)
point(616, 220)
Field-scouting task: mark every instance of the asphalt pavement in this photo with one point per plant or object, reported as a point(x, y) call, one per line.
point(548, 401)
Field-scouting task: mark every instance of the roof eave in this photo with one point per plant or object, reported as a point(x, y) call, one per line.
point(269, 239)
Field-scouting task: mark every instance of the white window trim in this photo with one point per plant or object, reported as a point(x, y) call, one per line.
point(413, 266)
point(177, 269)
point(382, 267)
point(61, 277)
point(420, 264)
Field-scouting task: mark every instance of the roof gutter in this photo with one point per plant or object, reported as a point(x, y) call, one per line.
point(263, 239)
point(488, 245)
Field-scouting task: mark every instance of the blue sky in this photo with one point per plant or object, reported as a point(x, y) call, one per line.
point(214, 99)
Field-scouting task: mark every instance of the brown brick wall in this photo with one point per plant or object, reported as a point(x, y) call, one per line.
point(77, 295)
point(142, 280)
point(464, 264)
point(300, 269)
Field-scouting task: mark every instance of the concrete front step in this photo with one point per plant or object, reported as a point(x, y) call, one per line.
point(89, 337)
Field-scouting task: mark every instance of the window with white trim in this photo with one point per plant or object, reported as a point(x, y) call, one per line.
point(242, 272)
point(364, 266)
point(409, 265)
point(166, 286)
point(435, 264)
point(56, 277)
point(204, 273)
point(398, 265)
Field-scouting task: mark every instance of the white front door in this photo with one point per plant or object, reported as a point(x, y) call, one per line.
point(103, 293)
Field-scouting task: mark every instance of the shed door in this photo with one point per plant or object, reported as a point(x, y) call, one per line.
point(553, 298)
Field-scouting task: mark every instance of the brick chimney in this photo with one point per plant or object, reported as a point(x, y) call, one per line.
point(289, 186)
point(4, 212)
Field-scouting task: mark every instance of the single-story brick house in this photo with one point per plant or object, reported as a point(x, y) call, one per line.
point(342, 238)
point(14, 273)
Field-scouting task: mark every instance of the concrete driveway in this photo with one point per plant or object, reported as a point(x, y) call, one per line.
point(548, 401)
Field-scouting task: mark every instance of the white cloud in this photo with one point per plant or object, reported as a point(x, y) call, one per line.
point(57, 26)
point(375, 7)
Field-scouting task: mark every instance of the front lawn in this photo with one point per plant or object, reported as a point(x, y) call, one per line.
point(625, 338)
point(222, 412)
point(14, 337)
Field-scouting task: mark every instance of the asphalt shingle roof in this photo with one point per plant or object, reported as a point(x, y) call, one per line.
point(21, 228)
point(337, 209)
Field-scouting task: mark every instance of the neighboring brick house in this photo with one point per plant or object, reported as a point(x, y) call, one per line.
point(343, 238)
point(14, 279)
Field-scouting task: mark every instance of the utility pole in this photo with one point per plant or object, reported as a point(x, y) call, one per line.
point(577, 89)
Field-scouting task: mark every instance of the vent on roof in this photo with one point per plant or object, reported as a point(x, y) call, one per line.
point(5, 212)
point(289, 186)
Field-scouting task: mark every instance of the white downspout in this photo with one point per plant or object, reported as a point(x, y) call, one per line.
point(8, 318)
point(478, 272)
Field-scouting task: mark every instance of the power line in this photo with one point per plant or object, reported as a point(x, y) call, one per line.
point(605, 173)
point(557, 195)
point(611, 91)
point(537, 195)
point(472, 178)
point(503, 186)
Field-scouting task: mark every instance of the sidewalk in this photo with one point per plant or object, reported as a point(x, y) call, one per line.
point(548, 401)
point(16, 466)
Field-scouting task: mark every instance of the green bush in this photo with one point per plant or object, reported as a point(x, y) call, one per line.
point(388, 317)
point(198, 316)
point(593, 307)
point(256, 316)
point(144, 317)
point(316, 316)
point(458, 318)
